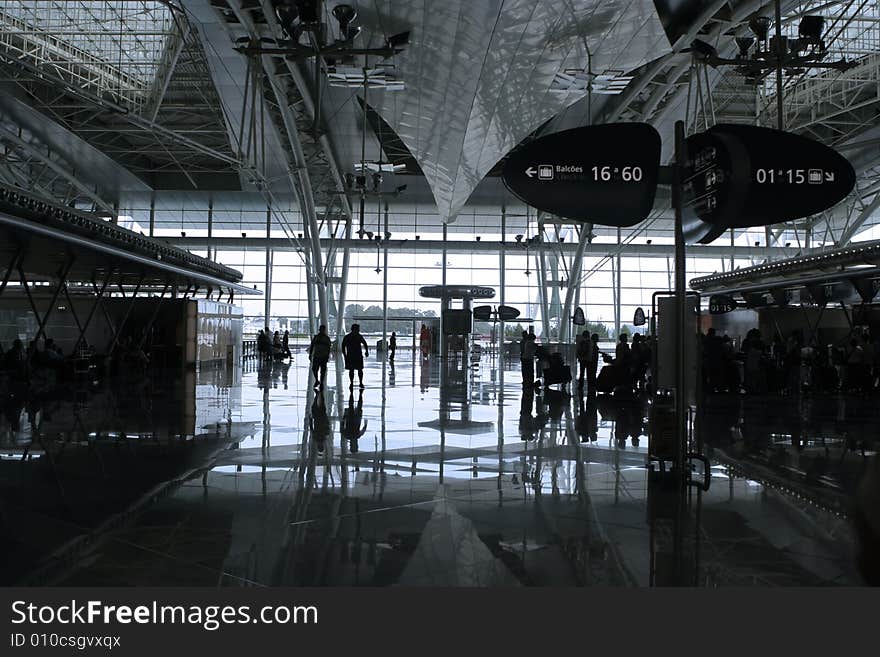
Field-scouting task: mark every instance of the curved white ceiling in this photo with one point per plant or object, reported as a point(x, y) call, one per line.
point(478, 74)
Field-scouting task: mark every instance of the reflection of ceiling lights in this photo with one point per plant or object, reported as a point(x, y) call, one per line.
point(577, 79)
point(386, 167)
point(380, 77)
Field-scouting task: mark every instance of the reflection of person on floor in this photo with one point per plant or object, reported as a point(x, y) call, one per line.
point(320, 423)
point(425, 341)
point(319, 353)
point(351, 423)
point(530, 426)
point(586, 423)
point(425, 377)
point(354, 357)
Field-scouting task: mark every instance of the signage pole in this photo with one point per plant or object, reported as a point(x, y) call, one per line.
point(678, 466)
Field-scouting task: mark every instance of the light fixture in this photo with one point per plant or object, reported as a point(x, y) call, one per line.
point(744, 43)
point(760, 27)
point(397, 41)
point(345, 14)
point(703, 51)
point(811, 28)
point(377, 77)
point(387, 167)
point(308, 10)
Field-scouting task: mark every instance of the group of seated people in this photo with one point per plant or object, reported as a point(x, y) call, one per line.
point(45, 355)
point(273, 347)
point(787, 365)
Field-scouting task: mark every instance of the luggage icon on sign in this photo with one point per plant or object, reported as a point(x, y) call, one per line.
point(815, 176)
point(545, 172)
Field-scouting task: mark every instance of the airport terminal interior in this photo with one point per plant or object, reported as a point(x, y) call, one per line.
point(306, 293)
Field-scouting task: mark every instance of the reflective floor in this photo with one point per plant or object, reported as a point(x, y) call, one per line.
point(430, 476)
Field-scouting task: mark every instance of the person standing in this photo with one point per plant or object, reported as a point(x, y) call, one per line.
point(392, 346)
point(425, 341)
point(584, 349)
point(285, 344)
point(319, 353)
point(354, 357)
point(527, 358)
point(593, 365)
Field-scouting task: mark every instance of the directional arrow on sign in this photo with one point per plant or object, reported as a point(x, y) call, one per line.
point(530, 172)
point(829, 176)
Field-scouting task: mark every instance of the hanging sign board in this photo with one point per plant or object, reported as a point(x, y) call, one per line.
point(740, 176)
point(579, 319)
point(603, 174)
point(482, 313)
point(639, 317)
point(721, 304)
point(507, 314)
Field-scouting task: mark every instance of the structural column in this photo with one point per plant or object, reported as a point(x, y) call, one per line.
point(501, 274)
point(267, 302)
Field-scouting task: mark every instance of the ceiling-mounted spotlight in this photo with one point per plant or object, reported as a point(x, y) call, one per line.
point(309, 10)
point(398, 41)
point(811, 29)
point(702, 50)
point(518, 238)
point(760, 27)
point(288, 15)
point(345, 14)
point(744, 43)
point(387, 235)
point(349, 180)
point(377, 180)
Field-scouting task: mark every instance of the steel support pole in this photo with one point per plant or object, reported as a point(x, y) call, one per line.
point(618, 289)
point(574, 278)
point(12, 265)
point(211, 228)
point(780, 121)
point(152, 215)
point(267, 300)
point(385, 286)
point(343, 283)
point(502, 299)
point(125, 317)
point(98, 295)
point(306, 197)
point(444, 305)
point(681, 319)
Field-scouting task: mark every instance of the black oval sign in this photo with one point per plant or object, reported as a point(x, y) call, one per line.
point(482, 313)
point(579, 319)
point(741, 176)
point(507, 313)
point(719, 304)
point(639, 317)
point(604, 174)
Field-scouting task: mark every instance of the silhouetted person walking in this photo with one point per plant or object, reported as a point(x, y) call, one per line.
point(392, 346)
point(354, 357)
point(319, 353)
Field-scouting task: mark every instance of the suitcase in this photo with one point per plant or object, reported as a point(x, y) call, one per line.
point(607, 379)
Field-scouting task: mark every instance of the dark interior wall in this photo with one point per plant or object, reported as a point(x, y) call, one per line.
point(17, 320)
point(832, 325)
